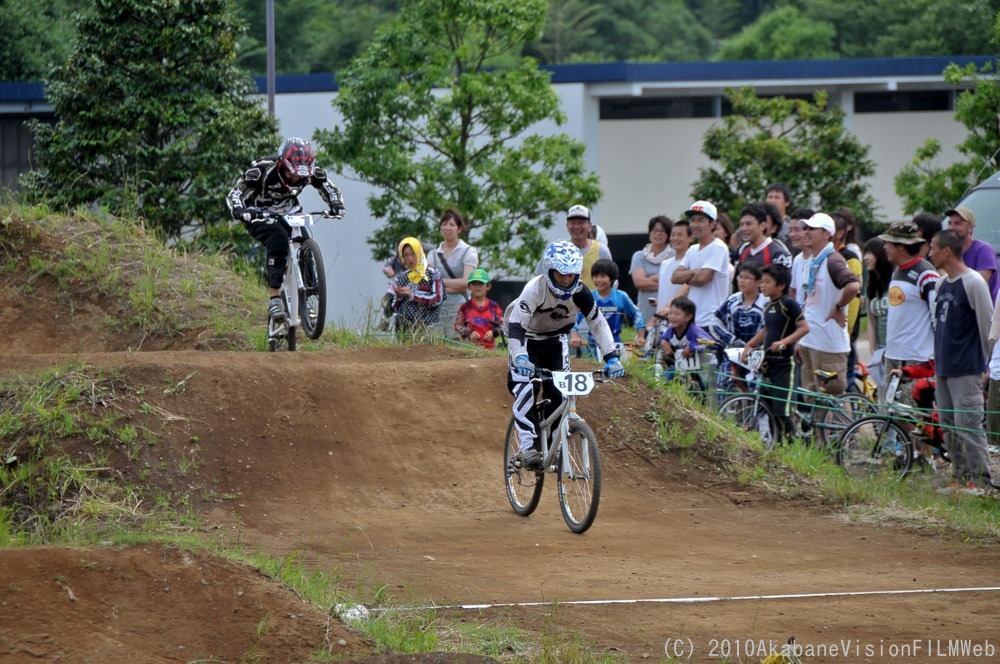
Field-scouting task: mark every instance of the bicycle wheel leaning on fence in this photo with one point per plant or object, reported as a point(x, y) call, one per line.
point(875, 446)
point(824, 416)
point(750, 411)
point(886, 444)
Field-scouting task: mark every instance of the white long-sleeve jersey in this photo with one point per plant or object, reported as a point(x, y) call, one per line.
point(538, 314)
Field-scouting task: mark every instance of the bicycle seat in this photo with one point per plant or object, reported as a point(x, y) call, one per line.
point(825, 375)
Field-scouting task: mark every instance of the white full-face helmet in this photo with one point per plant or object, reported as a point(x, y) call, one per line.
point(563, 257)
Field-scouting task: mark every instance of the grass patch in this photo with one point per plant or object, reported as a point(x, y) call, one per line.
point(149, 290)
point(61, 429)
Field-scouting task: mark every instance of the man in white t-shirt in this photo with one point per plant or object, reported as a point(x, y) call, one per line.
point(909, 335)
point(829, 287)
point(705, 267)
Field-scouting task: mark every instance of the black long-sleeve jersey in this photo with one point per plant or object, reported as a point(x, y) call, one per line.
point(261, 187)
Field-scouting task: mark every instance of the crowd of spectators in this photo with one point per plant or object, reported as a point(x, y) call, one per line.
point(795, 283)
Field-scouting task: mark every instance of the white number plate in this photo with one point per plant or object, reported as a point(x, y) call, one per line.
point(573, 383)
point(692, 363)
point(296, 220)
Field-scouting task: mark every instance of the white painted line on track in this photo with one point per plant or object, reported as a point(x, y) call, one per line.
point(689, 600)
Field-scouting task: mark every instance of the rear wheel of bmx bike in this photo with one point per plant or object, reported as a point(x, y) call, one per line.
point(524, 487)
point(875, 447)
point(312, 299)
point(750, 413)
point(580, 478)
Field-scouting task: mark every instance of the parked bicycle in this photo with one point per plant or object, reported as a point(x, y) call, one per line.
point(569, 449)
point(750, 410)
point(824, 417)
point(303, 289)
point(889, 444)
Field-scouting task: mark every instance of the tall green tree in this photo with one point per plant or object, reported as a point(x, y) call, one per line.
point(154, 117)
point(651, 30)
point(431, 124)
point(801, 143)
point(925, 184)
point(782, 34)
point(35, 36)
point(569, 31)
point(890, 28)
point(311, 36)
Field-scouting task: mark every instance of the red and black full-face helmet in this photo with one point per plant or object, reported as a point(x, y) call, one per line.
point(296, 160)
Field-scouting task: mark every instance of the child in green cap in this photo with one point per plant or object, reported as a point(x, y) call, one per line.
point(479, 318)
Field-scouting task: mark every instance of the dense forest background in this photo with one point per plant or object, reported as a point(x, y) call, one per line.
point(323, 35)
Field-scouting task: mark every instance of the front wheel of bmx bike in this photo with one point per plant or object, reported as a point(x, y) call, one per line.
point(580, 477)
point(834, 420)
point(312, 298)
point(524, 487)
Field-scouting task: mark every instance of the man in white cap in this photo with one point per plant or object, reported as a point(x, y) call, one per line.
point(705, 266)
point(579, 226)
point(829, 287)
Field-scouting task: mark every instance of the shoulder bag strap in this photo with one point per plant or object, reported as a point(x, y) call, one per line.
point(447, 268)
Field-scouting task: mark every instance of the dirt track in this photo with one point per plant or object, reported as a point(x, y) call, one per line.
point(386, 464)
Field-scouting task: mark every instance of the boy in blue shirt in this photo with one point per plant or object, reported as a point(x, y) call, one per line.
point(739, 318)
point(616, 306)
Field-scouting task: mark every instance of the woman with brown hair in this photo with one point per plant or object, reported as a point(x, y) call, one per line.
point(455, 259)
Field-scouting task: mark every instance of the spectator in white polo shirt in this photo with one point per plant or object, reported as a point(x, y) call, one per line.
point(829, 287)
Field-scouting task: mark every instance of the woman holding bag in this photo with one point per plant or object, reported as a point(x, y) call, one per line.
point(455, 260)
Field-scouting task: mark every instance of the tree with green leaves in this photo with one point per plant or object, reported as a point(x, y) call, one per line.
point(311, 36)
point(890, 28)
point(35, 36)
point(432, 124)
point(154, 117)
point(801, 143)
point(782, 34)
point(569, 31)
point(924, 184)
point(650, 31)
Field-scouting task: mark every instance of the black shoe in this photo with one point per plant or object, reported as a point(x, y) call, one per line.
point(532, 460)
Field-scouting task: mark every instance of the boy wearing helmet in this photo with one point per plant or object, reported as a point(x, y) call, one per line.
point(538, 323)
point(273, 184)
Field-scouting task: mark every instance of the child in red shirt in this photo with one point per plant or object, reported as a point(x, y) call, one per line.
point(479, 318)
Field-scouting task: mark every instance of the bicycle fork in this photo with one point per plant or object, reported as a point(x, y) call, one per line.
point(291, 285)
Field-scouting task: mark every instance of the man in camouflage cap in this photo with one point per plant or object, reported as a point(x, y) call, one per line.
point(912, 290)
